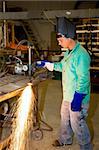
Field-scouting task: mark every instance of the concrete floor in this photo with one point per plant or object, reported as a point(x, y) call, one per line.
point(50, 96)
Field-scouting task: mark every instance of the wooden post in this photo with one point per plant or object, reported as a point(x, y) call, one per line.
point(13, 33)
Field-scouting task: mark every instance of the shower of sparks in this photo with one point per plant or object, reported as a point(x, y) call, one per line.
point(23, 119)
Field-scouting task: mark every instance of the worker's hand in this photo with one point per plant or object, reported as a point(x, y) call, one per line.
point(77, 101)
point(45, 64)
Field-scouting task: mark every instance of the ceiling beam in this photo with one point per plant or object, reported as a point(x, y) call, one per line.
point(20, 15)
point(13, 15)
point(80, 13)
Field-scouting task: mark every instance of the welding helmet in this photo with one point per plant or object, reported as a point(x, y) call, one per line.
point(65, 27)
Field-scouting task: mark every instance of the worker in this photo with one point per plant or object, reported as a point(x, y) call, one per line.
point(75, 68)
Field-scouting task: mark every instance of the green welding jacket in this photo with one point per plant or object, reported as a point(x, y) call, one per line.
point(75, 68)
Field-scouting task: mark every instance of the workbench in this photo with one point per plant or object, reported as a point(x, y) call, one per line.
point(11, 85)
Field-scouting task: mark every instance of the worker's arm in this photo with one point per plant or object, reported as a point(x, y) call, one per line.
point(50, 66)
point(83, 81)
point(83, 73)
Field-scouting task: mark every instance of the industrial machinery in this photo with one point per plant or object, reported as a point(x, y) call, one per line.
point(19, 67)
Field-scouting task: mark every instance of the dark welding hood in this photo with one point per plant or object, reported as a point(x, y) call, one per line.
point(66, 27)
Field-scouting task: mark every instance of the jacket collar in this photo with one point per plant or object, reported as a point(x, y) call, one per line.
point(75, 48)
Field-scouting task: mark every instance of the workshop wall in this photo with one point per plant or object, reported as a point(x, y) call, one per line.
point(42, 30)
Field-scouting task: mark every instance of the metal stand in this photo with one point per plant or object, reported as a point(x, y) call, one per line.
point(37, 133)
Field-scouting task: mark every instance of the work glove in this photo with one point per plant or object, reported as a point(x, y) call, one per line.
point(77, 101)
point(49, 66)
point(46, 64)
point(41, 63)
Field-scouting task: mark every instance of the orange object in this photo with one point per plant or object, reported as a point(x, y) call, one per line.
point(15, 46)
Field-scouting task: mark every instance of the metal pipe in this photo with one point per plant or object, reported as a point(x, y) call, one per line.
point(30, 61)
point(4, 10)
point(29, 54)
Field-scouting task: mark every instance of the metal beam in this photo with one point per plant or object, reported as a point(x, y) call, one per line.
point(80, 13)
point(20, 15)
point(13, 15)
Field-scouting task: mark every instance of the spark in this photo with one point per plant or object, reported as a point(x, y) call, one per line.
point(23, 119)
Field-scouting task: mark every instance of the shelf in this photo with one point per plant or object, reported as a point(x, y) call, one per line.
point(88, 32)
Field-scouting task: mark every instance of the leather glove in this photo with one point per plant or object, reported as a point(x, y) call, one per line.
point(77, 101)
point(49, 66)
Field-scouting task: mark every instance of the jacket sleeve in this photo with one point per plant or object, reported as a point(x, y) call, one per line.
point(83, 73)
point(58, 66)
